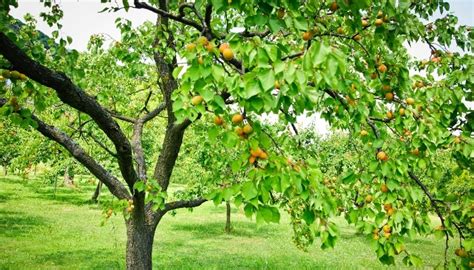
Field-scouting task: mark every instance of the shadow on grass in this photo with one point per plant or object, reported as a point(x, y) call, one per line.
point(221, 209)
point(214, 229)
point(14, 224)
point(78, 197)
point(5, 196)
point(88, 259)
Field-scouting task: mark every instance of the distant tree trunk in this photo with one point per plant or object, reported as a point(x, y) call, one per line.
point(68, 179)
point(228, 226)
point(96, 194)
point(5, 170)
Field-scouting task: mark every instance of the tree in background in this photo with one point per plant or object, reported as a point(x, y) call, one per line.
point(343, 59)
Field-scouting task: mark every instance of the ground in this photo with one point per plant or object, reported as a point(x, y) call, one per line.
point(43, 230)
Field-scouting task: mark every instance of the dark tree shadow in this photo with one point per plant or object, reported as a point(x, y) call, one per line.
point(90, 259)
point(14, 224)
point(214, 229)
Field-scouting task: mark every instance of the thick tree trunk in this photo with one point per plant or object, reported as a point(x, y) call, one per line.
point(96, 194)
point(228, 226)
point(139, 245)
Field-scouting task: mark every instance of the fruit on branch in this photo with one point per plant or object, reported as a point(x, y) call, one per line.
point(382, 156)
point(196, 100)
point(200, 60)
point(387, 228)
point(223, 46)
point(384, 188)
point(218, 120)
point(307, 36)
point(382, 68)
point(387, 206)
point(461, 252)
point(340, 31)
point(252, 159)
point(247, 129)
point(410, 101)
point(457, 139)
point(386, 88)
point(364, 133)
point(415, 151)
point(365, 23)
point(281, 13)
point(369, 198)
point(373, 76)
point(228, 54)
point(401, 111)
point(333, 7)
point(378, 22)
point(357, 37)
point(209, 47)
point(239, 131)
point(190, 47)
point(389, 96)
point(203, 40)
point(419, 84)
point(256, 152)
point(263, 155)
point(237, 119)
point(391, 211)
point(390, 115)
point(379, 14)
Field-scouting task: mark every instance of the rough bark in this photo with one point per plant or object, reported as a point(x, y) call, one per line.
point(96, 194)
point(228, 226)
point(169, 153)
point(139, 244)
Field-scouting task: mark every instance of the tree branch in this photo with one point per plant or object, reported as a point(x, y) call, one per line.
point(163, 13)
point(51, 132)
point(183, 204)
point(74, 96)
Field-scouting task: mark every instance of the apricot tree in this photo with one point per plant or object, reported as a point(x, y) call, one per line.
point(346, 60)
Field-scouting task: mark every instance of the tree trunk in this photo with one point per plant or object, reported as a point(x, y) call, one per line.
point(139, 245)
point(68, 179)
point(96, 194)
point(5, 170)
point(228, 227)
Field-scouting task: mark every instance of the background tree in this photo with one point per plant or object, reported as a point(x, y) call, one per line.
point(343, 59)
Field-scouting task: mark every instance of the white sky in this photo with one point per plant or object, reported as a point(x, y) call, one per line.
point(81, 20)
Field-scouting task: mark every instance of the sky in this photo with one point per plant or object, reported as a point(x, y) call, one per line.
point(81, 20)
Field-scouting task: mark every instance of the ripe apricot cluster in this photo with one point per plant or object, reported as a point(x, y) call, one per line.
point(257, 153)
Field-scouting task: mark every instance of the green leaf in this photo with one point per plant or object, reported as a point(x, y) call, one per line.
point(249, 191)
point(308, 216)
point(267, 79)
point(349, 178)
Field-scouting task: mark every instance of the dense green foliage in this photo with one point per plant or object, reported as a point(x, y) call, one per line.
point(403, 154)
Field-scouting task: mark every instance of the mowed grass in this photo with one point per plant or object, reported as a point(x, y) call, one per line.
point(40, 230)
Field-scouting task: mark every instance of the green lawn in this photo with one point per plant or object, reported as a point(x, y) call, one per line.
point(41, 231)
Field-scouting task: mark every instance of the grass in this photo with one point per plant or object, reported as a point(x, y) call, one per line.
point(39, 230)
